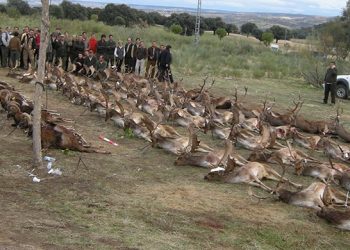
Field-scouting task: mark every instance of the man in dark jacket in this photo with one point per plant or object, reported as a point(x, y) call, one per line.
point(153, 54)
point(130, 55)
point(61, 52)
point(101, 49)
point(165, 59)
point(78, 47)
point(110, 51)
point(330, 83)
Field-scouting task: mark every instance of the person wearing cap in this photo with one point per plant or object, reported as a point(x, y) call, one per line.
point(165, 59)
point(330, 81)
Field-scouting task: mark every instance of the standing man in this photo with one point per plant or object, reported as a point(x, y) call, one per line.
point(330, 83)
point(119, 54)
point(130, 53)
point(29, 47)
point(110, 51)
point(85, 40)
point(5, 40)
point(101, 47)
point(37, 42)
point(153, 54)
point(61, 52)
point(15, 50)
point(165, 59)
point(141, 55)
point(78, 47)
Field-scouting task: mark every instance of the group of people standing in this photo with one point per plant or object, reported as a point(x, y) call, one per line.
point(86, 55)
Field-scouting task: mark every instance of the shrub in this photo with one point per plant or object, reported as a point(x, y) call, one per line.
point(267, 38)
point(176, 28)
point(221, 32)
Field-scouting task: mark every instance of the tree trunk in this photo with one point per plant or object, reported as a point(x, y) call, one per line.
point(44, 36)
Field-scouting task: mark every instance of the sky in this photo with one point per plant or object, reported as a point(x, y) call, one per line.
point(308, 7)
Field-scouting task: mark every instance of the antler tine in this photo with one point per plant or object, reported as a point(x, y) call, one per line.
point(245, 91)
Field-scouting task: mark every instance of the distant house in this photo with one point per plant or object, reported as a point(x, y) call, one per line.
point(274, 47)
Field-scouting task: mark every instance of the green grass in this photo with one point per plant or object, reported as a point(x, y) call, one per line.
point(230, 57)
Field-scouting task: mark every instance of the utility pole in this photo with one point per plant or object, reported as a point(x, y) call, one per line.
point(198, 23)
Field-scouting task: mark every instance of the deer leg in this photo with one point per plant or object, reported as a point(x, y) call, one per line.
point(347, 198)
point(260, 184)
point(273, 175)
point(252, 183)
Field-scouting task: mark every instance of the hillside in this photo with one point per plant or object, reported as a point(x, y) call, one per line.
point(263, 20)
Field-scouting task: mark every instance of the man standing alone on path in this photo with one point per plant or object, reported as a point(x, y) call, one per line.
point(330, 83)
point(141, 55)
point(153, 54)
point(5, 39)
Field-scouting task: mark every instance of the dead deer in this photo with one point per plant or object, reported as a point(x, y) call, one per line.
point(335, 150)
point(250, 173)
point(316, 196)
point(308, 142)
point(212, 159)
point(59, 136)
point(248, 140)
point(341, 219)
point(321, 171)
point(340, 130)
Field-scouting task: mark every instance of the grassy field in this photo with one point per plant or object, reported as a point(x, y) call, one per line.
point(135, 199)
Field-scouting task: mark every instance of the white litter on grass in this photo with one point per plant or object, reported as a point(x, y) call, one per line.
point(55, 171)
point(217, 169)
point(36, 179)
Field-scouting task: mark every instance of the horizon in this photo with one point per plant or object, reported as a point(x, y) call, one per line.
point(296, 7)
point(307, 7)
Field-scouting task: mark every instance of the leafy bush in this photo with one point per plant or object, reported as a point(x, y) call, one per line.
point(267, 38)
point(176, 28)
point(221, 32)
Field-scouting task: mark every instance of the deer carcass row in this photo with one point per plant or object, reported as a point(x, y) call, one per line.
point(182, 118)
point(316, 196)
point(340, 219)
point(59, 136)
point(212, 159)
point(250, 173)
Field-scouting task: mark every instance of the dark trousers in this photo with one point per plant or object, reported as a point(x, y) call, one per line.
point(129, 64)
point(109, 59)
point(4, 56)
point(14, 56)
point(165, 74)
point(329, 88)
point(119, 63)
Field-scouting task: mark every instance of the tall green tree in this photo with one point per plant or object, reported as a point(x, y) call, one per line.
point(248, 28)
point(22, 6)
point(279, 32)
